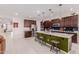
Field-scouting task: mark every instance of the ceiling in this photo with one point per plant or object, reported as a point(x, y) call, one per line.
point(25, 10)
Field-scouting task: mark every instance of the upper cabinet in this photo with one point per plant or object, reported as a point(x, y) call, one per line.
point(28, 23)
point(70, 21)
point(55, 22)
point(47, 24)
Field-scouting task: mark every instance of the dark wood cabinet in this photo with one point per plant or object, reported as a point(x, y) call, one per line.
point(70, 21)
point(27, 34)
point(28, 23)
point(47, 24)
point(56, 22)
point(2, 44)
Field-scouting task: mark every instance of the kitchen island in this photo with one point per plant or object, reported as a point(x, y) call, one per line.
point(64, 39)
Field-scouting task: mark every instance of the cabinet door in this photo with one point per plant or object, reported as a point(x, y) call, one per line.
point(27, 34)
point(47, 24)
point(75, 21)
point(27, 23)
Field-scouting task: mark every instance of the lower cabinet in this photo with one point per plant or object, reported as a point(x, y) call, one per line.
point(27, 34)
point(2, 45)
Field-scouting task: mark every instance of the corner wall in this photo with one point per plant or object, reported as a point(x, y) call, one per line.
point(18, 32)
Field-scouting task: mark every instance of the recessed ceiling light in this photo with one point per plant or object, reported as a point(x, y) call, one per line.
point(38, 12)
point(71, 9)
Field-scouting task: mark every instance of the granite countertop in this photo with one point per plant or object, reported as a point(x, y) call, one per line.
point(57, 34)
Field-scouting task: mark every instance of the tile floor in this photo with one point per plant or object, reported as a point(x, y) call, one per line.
point(30, 46)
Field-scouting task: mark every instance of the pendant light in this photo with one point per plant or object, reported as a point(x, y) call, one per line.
point(38, 12)
point(60, 10)
point(51, 12)
point(72, 11)
point(43, 16)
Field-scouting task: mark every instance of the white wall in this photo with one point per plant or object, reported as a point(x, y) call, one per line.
point(38, 25)
point(18, 32)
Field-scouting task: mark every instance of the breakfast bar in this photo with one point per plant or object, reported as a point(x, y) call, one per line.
point(64, 39)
